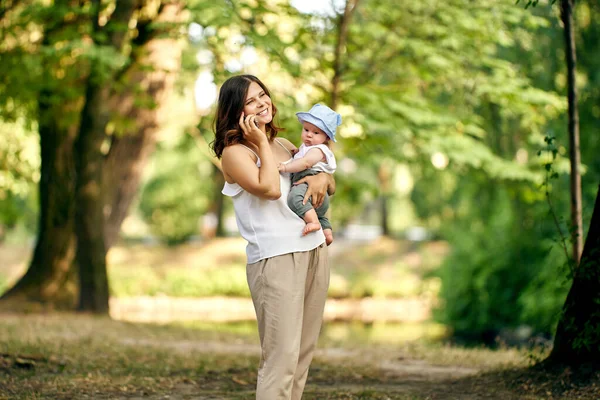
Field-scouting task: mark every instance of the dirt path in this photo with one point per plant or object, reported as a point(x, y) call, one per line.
point(400, 377)
point(67, 356)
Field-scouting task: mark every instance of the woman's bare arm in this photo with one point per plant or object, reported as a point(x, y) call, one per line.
point(239, 165)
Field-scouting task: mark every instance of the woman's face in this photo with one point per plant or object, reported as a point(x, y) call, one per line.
point(258, 103)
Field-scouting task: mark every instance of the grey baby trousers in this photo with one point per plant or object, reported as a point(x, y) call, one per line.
point(296, 197)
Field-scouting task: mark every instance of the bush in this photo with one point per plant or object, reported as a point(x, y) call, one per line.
point(172, 207)
point(178, 192)
point(502, 272)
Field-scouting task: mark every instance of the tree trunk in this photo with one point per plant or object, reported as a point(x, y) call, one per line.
point(157, 61)
point(218, 201)
point(220, 211)
point(577, 339)
point(566, 14)
point(89, 218)
point(340, 47)
point(385, 224)
point(89, 159)
point(50, 278)
point(122, 174)
point(385, 188)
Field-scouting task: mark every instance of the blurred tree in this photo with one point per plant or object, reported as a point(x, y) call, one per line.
point(218, 201)
point(566, 15)
point(89, 211)
point(577, 338)
point(67, 64)
point(48, 91)
point(138, 108)
point(422, 93)
point(339, 61)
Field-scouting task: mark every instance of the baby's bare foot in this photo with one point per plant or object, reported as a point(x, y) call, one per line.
point(328, 236)
point(311, 227)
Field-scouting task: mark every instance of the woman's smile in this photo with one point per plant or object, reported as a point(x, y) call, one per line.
point(263, 113)
point(264, 116)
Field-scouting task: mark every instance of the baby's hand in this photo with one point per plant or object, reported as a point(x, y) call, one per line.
point(281, 167)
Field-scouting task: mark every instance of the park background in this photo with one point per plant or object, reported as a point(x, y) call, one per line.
point(452, 216)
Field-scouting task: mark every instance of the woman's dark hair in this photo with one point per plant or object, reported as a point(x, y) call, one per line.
point(232, 97)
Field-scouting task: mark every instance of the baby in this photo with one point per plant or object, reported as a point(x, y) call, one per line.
point(313, 157)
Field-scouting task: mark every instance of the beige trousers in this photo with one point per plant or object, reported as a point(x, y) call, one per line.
point(289, 293)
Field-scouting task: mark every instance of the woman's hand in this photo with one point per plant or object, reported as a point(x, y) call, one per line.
point(281, 167)
point(251, 131)
point(317, 188)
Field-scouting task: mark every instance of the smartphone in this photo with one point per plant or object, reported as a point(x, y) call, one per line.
point(255, 122)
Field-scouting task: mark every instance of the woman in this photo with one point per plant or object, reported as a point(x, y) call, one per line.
point(288, 274)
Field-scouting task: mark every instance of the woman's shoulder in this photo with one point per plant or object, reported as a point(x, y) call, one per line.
point(236, 149)
point(288, 145)
point(236, 152)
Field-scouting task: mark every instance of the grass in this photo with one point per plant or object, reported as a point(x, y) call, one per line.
point(67, 356)
point(385, 268)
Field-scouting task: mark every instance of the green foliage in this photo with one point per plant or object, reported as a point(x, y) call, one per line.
point(429, 87)
point(534, 293)
point(175, 196)
point(542, 300)
point(501, 272)
point(19, 166)
point(169, 218)
point(530, 3)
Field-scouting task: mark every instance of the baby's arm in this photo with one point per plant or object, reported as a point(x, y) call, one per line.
point(312, 157)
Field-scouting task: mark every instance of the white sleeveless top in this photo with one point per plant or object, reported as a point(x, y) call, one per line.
point(269, 226)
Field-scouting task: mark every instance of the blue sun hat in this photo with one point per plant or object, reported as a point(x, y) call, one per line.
point(323, 118)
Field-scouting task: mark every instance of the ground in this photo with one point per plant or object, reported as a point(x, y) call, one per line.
point(69, 356)
point(163, 352)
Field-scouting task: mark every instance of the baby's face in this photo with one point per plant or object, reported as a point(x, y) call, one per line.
point(311, 135)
